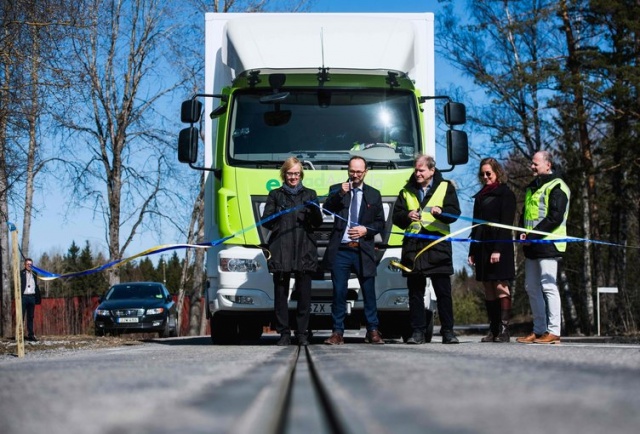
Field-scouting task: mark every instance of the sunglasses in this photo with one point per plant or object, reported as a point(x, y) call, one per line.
point(487, 174)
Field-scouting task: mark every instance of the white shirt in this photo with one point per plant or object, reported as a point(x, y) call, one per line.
point(352, 216)
point(30, 286)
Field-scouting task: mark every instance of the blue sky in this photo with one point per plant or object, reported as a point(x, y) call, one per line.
point(53, 230)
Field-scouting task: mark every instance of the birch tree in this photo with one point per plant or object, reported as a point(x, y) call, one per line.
point(120, 158)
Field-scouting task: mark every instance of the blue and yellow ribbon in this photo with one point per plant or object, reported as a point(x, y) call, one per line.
point(46, 275)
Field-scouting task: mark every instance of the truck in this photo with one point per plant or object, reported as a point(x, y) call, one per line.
point(313, 86)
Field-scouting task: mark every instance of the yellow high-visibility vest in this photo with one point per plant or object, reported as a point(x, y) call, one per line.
point(427, 220)
point(536, 208)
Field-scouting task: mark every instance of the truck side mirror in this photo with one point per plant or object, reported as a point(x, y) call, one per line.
point(190, 111)
point(188, 145)
point(455, 113)
point(457, 147)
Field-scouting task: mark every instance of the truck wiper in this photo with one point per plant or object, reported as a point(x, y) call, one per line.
point(311, 154)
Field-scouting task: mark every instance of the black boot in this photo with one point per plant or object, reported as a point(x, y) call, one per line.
point(493, 312)
point(505, 317)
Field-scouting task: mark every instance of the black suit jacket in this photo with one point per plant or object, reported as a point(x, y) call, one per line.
point(23, 284)
point(371, 216)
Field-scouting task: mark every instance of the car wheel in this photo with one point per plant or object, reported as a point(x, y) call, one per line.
point(167, 329)
point(173, 329)
point(99, 332)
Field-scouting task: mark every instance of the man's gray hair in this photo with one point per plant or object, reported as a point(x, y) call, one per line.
point(425, 160)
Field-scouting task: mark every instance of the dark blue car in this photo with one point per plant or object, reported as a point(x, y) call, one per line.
point(137, 307)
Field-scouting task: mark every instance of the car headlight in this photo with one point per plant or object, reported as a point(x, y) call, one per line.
point(155, 311)
point(102, 312)
point(238, 265)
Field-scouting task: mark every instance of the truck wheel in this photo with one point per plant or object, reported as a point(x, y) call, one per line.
point(250, 331)
point(429, 333)
point(224, 330)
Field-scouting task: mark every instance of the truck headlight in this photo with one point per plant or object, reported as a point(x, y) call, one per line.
point(238, 265)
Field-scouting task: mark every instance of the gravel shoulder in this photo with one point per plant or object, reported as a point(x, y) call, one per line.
point(59, 344)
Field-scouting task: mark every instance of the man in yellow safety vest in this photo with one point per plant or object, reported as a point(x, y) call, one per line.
point(425, 208)
point(546, 208)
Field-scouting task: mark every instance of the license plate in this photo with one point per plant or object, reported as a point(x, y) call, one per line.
point(321, 308)
point(127, 320)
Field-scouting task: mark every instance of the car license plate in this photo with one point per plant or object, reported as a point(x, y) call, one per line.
point(128, 320)
point(321, 308)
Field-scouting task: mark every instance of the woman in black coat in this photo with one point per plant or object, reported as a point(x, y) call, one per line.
point(292, 247)
point(493, 255)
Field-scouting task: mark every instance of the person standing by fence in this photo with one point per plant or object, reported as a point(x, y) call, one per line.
point(30, 296)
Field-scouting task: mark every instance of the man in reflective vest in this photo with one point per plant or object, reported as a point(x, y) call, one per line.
point(545, 210)
point(425, 208)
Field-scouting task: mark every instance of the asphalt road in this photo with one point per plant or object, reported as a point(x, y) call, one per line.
point(187, 385)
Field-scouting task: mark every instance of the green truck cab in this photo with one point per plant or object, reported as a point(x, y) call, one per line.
point(322, 88)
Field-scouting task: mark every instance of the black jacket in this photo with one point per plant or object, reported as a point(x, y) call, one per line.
point(497, 206)
point(291, 242)
point(437, 259)
point(371, 215)
point(23, 284)
point(558, 203)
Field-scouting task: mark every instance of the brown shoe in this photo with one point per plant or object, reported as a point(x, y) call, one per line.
point(528, 339)
point(547, 338)
point(334, 339)
point(488, 338)
point(373, 337)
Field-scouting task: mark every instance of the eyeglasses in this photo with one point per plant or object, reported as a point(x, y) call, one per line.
point(356, 172)
point(487, 174)
point(293, 174)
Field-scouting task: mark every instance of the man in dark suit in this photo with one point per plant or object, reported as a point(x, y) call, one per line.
point(359, 217)
point(30, 296)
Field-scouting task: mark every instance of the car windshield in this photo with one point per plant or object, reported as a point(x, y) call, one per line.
point(134, 291)
point(324, 127)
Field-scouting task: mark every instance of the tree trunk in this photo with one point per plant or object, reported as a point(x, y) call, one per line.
point(575, 87)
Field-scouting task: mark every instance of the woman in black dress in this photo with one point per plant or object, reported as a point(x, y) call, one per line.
point(492, 256)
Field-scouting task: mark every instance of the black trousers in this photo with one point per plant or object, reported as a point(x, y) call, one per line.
point(417, 284)
point(29, 308)
point(281, 302)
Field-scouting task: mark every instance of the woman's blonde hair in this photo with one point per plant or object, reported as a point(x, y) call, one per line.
point(288, 164)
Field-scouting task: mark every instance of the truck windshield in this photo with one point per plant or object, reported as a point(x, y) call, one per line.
point(324, 127)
